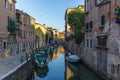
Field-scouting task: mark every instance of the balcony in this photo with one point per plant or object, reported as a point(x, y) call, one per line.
point(102, 42)
point(11, 27)
point(102, 47)
point(18, 23)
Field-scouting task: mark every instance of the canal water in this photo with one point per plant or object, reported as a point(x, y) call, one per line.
point(59, 69)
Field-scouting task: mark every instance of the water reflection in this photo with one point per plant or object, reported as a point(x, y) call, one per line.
point(79, 72)
point(41, 72)
point(71, 72)
point(59, 69)
point(50, 56)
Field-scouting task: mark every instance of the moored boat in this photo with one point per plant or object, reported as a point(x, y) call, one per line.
point(72, 58)
point(41, 60)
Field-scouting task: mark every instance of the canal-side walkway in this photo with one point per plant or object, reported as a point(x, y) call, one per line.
point(7, 64)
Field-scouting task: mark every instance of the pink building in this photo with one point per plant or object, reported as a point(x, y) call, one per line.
point(7, 27)
point(25, 32)
point(102, 36)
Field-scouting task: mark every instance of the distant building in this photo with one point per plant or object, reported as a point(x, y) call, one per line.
point(61, 36)
point(55, 34)
point(41, 31)
point(50, 34)
point(7, 27)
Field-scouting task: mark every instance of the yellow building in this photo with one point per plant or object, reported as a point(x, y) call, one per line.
point(50, 34)
point(41, 31)
point(55, 34)
point(61, 36)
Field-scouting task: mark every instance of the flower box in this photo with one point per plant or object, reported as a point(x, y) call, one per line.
point(117, 21)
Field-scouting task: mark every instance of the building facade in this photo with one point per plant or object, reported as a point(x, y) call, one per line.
point(61, 37)
point(50, 35)
point(7, 27)
point(25, 32)
point(102, 39)
point(55, 34)
point(41, 31)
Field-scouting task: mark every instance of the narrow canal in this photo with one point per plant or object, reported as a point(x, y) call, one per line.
point(60, 69)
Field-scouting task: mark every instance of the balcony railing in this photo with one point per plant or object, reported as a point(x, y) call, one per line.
point(11, 27)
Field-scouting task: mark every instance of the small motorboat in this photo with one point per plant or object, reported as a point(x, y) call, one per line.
point(47, 49)
point(41, 60)
point(72, 58)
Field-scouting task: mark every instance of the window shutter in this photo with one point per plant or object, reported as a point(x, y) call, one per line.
point(102, 20)
point(90, 43)
point(86, 29)
point(8, 21)
point(91, 24)
point(118, 12)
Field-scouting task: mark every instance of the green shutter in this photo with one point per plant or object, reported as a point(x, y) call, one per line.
point(102, 20)
point(91, 24)
point(118, 12)
point(8, 21)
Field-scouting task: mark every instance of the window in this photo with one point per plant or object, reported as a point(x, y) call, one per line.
point(8, 20)
point(87, 43)
point(90, 43)
point(112, 68)
point(86, 27)
point(91, 25)
point(6, 3)
point(4, 44)
point(24, 33)
point(27, 20)
point(11, 7)
point(102, 41)
point(87, 6)
point(102, 21)
point(20, 33)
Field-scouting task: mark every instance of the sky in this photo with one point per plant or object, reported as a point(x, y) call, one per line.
point(49, 12)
